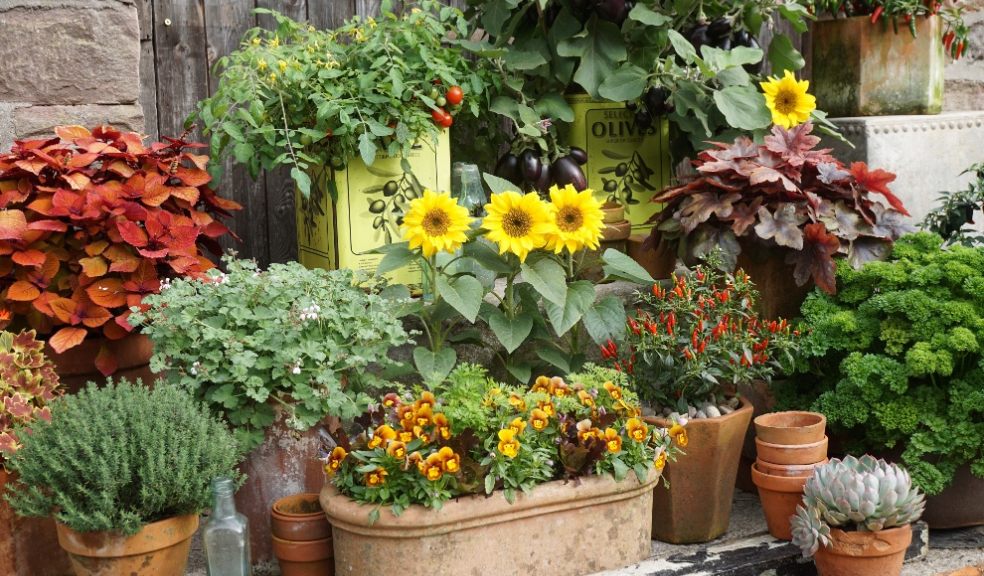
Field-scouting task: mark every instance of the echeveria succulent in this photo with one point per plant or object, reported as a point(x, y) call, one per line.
point(865, 494)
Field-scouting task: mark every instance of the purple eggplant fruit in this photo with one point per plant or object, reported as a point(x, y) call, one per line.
point(530, 166)
point(579, 155)
point(542, 184)
point(612, 10)
point(567, 171)
point(508, 168)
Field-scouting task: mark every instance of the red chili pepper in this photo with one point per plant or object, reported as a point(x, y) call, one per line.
point(877, 14)
point(960, 50)
point(687, 354)
point(907, 18)
point(948, 39)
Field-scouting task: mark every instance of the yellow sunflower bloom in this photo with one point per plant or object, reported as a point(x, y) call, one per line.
point(788, 100)
point(518, 224)
point(436, 223)
point(577, 220)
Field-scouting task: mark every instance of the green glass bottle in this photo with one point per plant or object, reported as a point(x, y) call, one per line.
point(226, 534)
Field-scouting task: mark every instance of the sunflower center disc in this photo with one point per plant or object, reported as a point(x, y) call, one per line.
point(517, 223)
point(569, 219)
point(785, 102)
point(436, 223)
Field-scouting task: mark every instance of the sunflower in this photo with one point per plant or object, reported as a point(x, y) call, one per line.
point(788, 101)
point(517, 223)
point(577, 220)
point(435, 223)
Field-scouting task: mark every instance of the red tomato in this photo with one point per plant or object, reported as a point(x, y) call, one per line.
point(455, 95)
point(447, 121)
point(438, 115)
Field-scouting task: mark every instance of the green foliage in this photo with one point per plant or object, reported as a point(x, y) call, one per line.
point(121, 456)
point(304, 98)
point(311, 341)
point(28, 382)
point(956, 209)
point(898, 357)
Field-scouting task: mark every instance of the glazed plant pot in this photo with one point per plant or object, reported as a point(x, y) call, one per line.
point(301, 536)
point(791, 454)
point(959, 505)
point(697, 505)
point(861, 69)
point(779, 496)
point(790, 428)
point(864, 553)
point(160, 548)
point(541, 533)
point(77, 366)
point(788, 470)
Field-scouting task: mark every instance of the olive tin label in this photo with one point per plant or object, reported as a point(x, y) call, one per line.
point(371, 203)
point(626, 164)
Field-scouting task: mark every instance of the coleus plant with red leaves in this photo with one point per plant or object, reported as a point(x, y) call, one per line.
point(91, 221)
point(783, 193)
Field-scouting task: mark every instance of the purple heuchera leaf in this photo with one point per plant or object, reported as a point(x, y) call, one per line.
point(782, 227)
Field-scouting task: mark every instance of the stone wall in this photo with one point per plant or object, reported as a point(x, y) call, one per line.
point(68, 62)
point(965, 78)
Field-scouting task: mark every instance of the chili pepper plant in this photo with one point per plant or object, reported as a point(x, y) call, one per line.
point(690, 342)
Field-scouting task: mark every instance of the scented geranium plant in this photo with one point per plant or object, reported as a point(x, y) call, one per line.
point(413, 449)
point(28, 382)
point(91, 222)
point(783, 193)
point(536, 250)
point(311, 342)
point(690, 343)
point(315, 99)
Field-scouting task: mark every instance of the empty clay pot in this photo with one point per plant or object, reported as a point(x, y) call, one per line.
point(311, 558)
point(790, 428)
point(864, 553)
point(791, 454)
point(779, 496)
point(788, 470)
point(160, 548)
point(300, 518)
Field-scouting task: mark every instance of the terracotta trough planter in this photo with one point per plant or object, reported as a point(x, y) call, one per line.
point(780, 496)
point(864, 553)
point(959, 505)
point(160, 549)
point(790, 428)
point(546, 532)
point(697, 505)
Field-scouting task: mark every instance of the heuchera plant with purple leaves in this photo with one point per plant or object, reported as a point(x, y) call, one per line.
point(27, 383)
point(782, 193)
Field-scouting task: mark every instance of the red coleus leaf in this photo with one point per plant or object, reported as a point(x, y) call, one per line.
point(816, 259)
point(877, 181)
point(67, 338)
point(72, 132)
point(48, 225)
point(13, 224)
point(22, 291)
point(29, 258)
point(108, 292)
point(106, 361)
point(193, 177)
point(132, 233)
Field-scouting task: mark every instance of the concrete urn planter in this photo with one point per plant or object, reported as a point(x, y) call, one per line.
point(543, 532)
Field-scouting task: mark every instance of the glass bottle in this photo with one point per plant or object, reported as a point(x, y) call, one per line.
point(226, 534)
point(466, 186)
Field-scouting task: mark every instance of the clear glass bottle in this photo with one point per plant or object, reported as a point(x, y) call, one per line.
point(226, 534)
point(466, 186)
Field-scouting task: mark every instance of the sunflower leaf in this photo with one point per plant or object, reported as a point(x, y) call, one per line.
point(464, 293)
point(434, 366)
point(549, 279)
point(510, 332)
point(580, 297)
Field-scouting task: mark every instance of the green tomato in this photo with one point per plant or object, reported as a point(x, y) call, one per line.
point(305, 140)
point(441, 101)
point(434, 95)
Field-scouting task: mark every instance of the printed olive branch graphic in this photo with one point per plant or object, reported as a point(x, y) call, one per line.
point(397, 193)
point(311, 206)
point(631, 176)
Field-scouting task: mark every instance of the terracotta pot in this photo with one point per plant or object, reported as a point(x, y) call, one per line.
point(612, 213)
point(779, 496)
point(790, 428)
point(791, 454)
point(959, 505)
point(305, 558)
point(159, 549)
point(697, 505)
point(285, 464)
point(616, 232)
point(300, 518)
point(77, 366)
point(659, 262)
point(864, 553)
point(28, 546)
point(860, 69)
point(541, 533)
point(779, 296)
point(788, 470)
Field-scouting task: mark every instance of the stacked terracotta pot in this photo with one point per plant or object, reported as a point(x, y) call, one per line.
point(789, 446)
point(302, 539)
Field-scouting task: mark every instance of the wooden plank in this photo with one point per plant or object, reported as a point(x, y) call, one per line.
point(367, 8)
point(328, 14)
point(225, 23)
point(182, 69)
point(148, 70)
point(280, 221)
